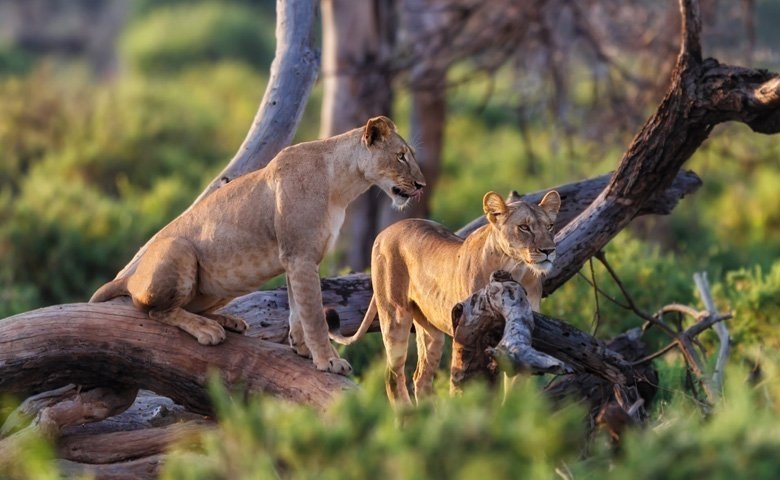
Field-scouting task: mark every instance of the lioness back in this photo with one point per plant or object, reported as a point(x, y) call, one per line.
point(414, 259)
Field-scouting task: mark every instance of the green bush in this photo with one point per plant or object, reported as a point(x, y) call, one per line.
point(105, 168)
point(14, 62)
point(35, 118)
point(753, 297)
point(360, 437)
point(739, 440)
point(651, 277)
point(172, 38)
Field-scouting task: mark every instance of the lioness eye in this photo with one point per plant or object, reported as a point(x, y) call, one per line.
point(524, 228)
point(402, 157)
point(550, 227)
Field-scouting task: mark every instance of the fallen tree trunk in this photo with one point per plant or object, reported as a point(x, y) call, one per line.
point(114, 344)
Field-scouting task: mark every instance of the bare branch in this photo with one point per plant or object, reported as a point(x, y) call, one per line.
point(720, 328)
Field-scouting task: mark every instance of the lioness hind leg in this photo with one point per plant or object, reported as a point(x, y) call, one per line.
point(430, 346)
point(395, 335)
point(207, 331)
point(165, 281)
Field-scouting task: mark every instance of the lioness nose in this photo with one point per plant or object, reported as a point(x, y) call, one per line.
point(547, 251)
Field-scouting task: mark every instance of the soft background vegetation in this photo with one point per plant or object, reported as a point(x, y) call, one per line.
point(90, 168)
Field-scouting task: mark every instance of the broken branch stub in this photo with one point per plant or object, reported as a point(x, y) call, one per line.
point(495, 326)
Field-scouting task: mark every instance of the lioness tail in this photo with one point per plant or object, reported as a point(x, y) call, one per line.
point(114, 288)
point(334, 325)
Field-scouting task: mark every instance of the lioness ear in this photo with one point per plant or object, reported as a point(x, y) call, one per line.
point(377, 128)
point(551, 203)
point(493, 206)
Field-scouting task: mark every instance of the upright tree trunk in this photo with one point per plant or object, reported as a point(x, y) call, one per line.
point(358, 43)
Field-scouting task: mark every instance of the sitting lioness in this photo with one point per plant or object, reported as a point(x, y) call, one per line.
point(282, 218)
point(420, 270)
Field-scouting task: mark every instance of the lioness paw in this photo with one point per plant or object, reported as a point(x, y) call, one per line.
point(209, 334)
point(234, 324)
point(299, 347)
point(336, 365)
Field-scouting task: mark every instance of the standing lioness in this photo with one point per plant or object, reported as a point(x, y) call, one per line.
point(420, 271)
point(282, 218)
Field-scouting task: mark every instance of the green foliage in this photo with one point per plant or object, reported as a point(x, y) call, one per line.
point(754, 298)
point(479, 435)
point(360, 437)
point(739, 440)
point(93, 172)
point(14, 62)
point(29, 455)
point(652, 278)
point(214, 31)
point(34, 119)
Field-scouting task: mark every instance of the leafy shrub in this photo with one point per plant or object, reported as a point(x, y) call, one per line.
point(739, 440)
point(34, 119)
point(360, 437)
point(14, 62)
point(754, 298)
point(103, 171)
point(171, 38)
point(652, 278)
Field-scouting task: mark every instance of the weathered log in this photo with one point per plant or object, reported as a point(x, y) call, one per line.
point(495, 325)
point(609, 403)
point(114, 344)
point(100, 448)
point(267, 311)
point(142, 468)
point(496, 331)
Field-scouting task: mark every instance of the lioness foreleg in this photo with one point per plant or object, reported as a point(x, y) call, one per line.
point(295, 336)
point(306, 314)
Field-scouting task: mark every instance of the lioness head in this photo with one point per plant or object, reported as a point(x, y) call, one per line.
point(524, 231)
point(391, 164)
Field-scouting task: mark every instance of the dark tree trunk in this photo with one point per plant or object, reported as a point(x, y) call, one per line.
point(358, 44)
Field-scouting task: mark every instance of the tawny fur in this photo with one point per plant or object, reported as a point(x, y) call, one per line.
point(420, 270)
point(280, 219)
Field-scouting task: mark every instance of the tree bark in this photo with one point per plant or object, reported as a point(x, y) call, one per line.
point(114, 344)
point(358, 45)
